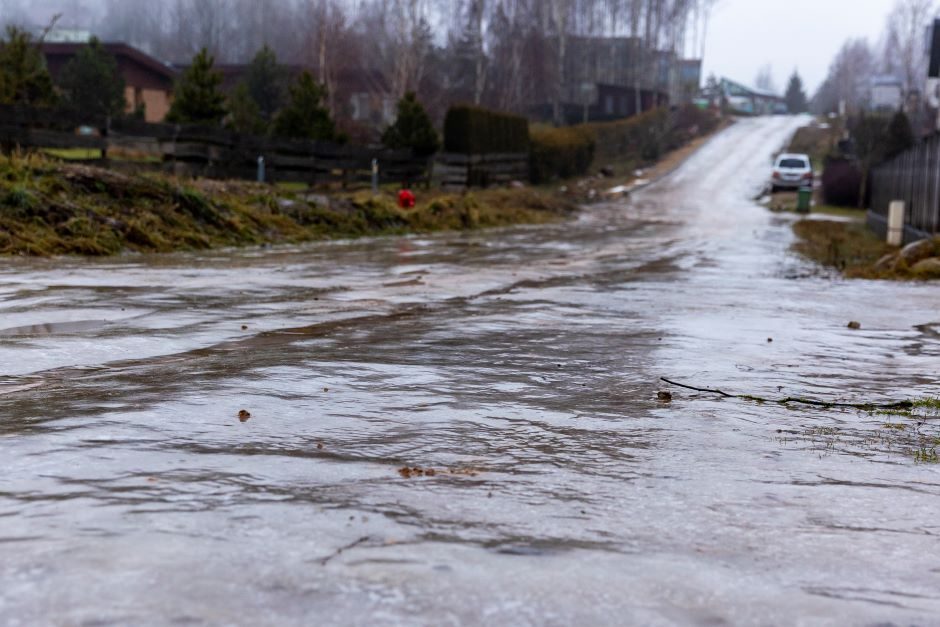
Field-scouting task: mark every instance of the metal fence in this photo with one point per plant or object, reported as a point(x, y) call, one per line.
point(914, 177)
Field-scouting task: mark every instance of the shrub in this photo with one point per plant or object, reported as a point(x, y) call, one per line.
point(640, 138)
point(412, 129)
point(570, 151)
point(24, 77)
point(899, 136)
point(841, 182)
point(305, 116)
point(92, 84)
point(244, 114)
point(476, 131)
point(560, 152)
point(199, 99)
point(266, 82)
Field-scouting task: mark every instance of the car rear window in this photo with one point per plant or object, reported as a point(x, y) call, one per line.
point(792, 163)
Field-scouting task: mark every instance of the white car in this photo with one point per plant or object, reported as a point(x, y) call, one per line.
point(791, 171)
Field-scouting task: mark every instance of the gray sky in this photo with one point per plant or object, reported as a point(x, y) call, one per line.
point(744, 35)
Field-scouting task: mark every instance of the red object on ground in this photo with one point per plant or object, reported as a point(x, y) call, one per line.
point(406, 199)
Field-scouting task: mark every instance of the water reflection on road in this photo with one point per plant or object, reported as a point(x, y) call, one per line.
point(521, 366)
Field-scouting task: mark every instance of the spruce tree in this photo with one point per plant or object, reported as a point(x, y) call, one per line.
point(91, 83)
point(24, 77)
point(265, 81)
point(899, 136)
point(305, 116)
point(244, 113)
point(198, 98)
point(412, 129)
point(795, 97)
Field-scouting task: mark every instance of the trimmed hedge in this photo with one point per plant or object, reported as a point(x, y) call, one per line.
point(476, 131)
point(841, 182)
point(570, 151)
point(640, 138)
point(560, 152)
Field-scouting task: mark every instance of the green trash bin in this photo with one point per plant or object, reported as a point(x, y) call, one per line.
point(804, 199)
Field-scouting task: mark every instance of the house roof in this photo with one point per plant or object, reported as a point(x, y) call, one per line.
point(886, 80)
point(347, 80)
point(118, 50)
point(763, 93)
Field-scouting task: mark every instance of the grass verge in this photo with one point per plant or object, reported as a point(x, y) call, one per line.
point(49, 208)
point(851, 248)
point(846, 246)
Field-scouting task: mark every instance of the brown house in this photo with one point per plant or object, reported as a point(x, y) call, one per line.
point(148, 82)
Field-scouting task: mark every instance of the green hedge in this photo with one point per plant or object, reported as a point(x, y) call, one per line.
point(640, 138)
point(560, 152)
point(570, 151)
point(475, 131)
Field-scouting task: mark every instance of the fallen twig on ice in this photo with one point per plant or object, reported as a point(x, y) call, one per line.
point(906, 405)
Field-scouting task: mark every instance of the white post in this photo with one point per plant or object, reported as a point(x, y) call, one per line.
point(375, 176)
point(896, 223)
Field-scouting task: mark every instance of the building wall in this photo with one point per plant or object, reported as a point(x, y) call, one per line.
point(887, 97)
point(156, 102)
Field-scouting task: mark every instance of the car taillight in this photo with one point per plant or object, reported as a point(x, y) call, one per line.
point(808, 175)
point(776, 174)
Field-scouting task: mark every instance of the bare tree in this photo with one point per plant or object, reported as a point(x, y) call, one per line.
point(853, 64)
point(511, 54)
point(12, 13)
point(765, 79)
point(905, 41)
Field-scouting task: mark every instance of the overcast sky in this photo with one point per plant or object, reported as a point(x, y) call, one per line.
point(744, 35)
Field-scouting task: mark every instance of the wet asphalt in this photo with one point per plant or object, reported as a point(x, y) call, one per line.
point(521, 367)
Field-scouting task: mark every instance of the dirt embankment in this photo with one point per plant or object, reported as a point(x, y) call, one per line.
point(48, 208)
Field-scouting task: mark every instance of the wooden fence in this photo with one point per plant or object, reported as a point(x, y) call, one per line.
point(204, 151)
point(914, 177)
point(457, 171)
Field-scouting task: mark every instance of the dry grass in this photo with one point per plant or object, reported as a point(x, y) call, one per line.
point(49, 208)
point(849, 247)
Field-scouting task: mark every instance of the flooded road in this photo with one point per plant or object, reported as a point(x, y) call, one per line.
point(522, 365)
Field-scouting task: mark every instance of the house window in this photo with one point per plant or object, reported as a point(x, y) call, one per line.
point(609, 105)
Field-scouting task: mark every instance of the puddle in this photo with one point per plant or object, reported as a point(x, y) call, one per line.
point(524, 373)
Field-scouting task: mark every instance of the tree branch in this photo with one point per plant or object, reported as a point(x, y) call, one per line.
point(903, 405)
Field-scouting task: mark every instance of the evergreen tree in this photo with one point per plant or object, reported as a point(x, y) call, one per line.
point(899, 136)
point(244, 113)
point(91, 83)
point(198, 98)
point(795, 97)
point(869, 132)
point(412, 129)
point(305, 116)
point(24, 77)
point(265, 81)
